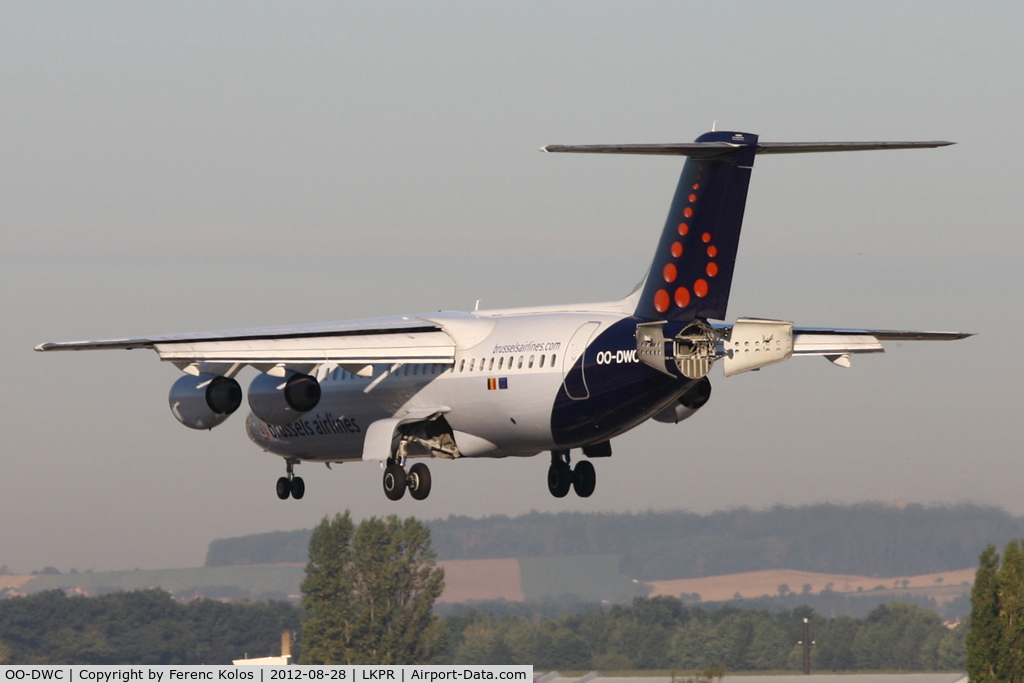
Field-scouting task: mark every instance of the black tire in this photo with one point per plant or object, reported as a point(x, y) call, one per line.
point(298, 488)
point(394, 482)
point(584, 479)
point(418, 481)
point(284, 488)
point(559, 480)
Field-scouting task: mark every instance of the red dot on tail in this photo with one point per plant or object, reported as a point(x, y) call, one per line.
point(712, 269)
point(696, 186)
point(661, 301)
point(669, 272)
point(682, 297)
point(683, 228)
point(687, 212)
point(700, 288)
point(712, 251)
point(706, 237)
point(677, 249)
point(692, 197)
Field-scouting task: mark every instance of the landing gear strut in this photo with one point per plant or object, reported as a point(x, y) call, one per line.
point(561, 477)
point(291, 485)
point(396, 480)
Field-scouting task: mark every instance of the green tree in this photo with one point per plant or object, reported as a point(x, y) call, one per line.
point(1011, 612)
point(369, 592)
point(983, 638)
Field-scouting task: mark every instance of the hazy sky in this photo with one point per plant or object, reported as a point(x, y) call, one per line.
point(168, 167)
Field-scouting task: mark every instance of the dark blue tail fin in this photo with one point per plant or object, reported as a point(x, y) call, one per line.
point(692, 270)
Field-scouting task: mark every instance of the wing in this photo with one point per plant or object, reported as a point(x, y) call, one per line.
point(838, 344)
point(752, 343)
point(353, 343)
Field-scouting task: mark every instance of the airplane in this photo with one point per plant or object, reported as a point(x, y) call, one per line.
point(519, 381)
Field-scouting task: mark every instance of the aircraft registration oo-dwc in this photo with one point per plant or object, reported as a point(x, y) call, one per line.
point(522, 381)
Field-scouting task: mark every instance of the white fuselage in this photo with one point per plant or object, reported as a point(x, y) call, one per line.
point(498, 394)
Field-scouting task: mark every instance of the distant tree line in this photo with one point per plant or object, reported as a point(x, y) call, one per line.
point(663, 633)
point(868, 539)
point(148, 627)
point(138, 627)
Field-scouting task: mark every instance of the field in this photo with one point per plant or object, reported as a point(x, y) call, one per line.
point(942, 587)
point(589, 578)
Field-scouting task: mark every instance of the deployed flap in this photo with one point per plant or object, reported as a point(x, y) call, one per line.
point(372, 326)
point(756, 343)
point(359, 350)
point(808, 344)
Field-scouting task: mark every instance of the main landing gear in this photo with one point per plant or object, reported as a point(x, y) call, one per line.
point(562, 477)
point(397, 480)
point(291, 485)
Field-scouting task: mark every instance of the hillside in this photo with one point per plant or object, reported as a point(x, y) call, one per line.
point(869, 539)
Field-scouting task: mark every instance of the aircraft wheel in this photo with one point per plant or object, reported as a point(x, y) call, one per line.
point(418, 481)
point(394, 482)
point(584, 479)
point(559, 479)
point(299, 487)
point(284, 488)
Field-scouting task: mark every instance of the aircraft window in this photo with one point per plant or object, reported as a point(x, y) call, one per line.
point(553, 357)
point(542, 360)
point(490, 366)
point(501, 362)
point(520, 366)
point(531, 361)
point(510, 359)
point(462, 365)
point(472, 362)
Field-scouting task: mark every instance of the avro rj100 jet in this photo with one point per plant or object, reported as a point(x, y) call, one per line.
point(514, 382)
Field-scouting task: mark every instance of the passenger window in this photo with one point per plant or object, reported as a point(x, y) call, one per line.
point(472, 362)
point(462, 365)
point(531, 361)
point(501, 362)
point(510, 359)
point(490, 365)
point(542, 360)
point(553, 357)
point(520, 366)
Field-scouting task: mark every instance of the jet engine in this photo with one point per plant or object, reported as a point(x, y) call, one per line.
point(204, 401)
point(689, 403)
point(282, 400)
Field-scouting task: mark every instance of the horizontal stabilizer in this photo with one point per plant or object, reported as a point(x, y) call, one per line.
point(711, 150)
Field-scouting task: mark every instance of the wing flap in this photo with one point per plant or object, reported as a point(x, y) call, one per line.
point(349, 328)
point(417, 347)
point(835, 344)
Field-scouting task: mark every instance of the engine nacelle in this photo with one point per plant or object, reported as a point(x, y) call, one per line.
point(688, 404)
point(204, 401)
point(281, 401)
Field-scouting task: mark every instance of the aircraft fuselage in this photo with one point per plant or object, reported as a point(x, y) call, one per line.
point(519, 385)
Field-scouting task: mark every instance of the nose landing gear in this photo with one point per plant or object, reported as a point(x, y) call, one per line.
point(291, 485)
point(396, 480)
point(562, 477)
